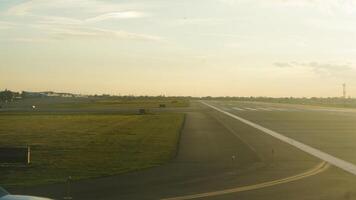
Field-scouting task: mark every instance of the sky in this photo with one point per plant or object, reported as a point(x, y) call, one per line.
point(277, 48)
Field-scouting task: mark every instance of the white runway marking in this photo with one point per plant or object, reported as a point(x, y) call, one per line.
point(264, 109)
point(236, 108)
point(251, 109)
point(280, 109)
point(342, 164)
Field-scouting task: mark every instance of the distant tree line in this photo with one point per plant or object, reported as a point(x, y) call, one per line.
point(8, 95)
point(141, 97)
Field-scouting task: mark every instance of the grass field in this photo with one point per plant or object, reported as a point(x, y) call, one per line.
point(124, 104)
point(84, 146)
point(96, 103)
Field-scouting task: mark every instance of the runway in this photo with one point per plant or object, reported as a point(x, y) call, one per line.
point(317, 169)
point(342, 164)
point(220, 157)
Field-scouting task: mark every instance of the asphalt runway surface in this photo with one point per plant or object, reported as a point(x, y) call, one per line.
point(220, 157)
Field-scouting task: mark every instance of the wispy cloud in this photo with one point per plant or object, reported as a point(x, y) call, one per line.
point(101, 33)
point(200, 21)
point(57, 20)
point(22, 8)
point(6, 25)
point(237, 2)
point(86, 6)
point(282, 64)
point(326, 6)
point(29, 39)
point(330, 7)
point(80, 32)
point(315, 65)
point(116, 15)
point(72, 21)
point(80, 24)
point(324, 69)
point(89, 10)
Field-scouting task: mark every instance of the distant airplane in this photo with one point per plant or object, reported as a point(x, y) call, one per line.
point(4, 195)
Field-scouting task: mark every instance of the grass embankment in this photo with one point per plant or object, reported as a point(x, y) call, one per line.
point(84, 146)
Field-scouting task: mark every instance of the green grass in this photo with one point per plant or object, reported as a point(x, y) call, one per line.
point(96, 103)
point(85, 146)
point(123, 103)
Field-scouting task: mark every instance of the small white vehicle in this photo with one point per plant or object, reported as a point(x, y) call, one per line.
point(4, 195)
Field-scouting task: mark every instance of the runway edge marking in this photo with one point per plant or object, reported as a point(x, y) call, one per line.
point(342, 164)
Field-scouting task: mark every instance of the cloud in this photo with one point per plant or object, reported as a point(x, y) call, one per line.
point(72, 21)
point(324, 69)
point(59, 20)
point(83, 10)
point(29, 7)
point(282, 64)
point(104, 34)
point(85, 6)
point(330, 7)
point(315, 65)
point(22, 8)
point(29, 39)
point(325, 6)
point(116, 15)
point(6, 25)
point(200, 21)
point(229, 2)
point(78, 22)
point(80, 32)
point(329, 69)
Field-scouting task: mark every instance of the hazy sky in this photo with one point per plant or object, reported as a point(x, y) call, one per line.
point(182, 47)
